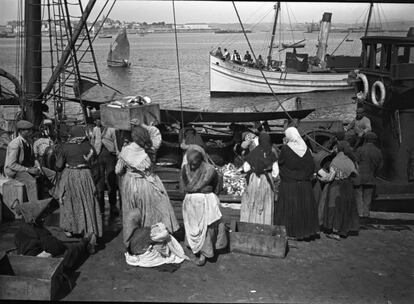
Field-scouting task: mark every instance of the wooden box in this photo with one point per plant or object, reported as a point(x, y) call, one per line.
point(120, 118)
point(258, 239)
point(11, 193)
point(29, 278)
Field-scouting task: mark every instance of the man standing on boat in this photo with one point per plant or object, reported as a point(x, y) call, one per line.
point(20, 163)
point(360, 126)
point(369, 161)
point(104, 141)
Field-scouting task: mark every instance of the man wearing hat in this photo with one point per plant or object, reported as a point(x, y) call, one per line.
point(357, 128)
point(369, 158)
point(104, 141)
point(20, 163)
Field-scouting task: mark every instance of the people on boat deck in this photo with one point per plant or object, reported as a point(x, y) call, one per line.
point(79, 212)
point(250, 141)
point(42, 144)
point(218, 53)
point(260, 64)
point(226, 55)
point(296, 208)
point(258, 199)
point(340, 213)
point(144, 197)
point(369, 158)
point(33, 239)
point(153, 246)
point(235, 57)
point(189, 136)
point(20, 163)
point(104, 141)
point(247, 59)
point(358, 128)
point(204, 231)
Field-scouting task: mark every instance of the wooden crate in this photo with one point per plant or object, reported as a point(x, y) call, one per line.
point(120, 118)
point(258, 239)
point(29, 278)
point(11, 193)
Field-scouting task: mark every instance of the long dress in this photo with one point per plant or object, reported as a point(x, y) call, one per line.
point(145, 201)
point(204, 230)
point(340, 212)
point(258, 199)
point(80, 213)
point(296, 208)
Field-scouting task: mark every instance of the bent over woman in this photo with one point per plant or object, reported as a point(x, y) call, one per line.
point(144, 197)
point(201, 212)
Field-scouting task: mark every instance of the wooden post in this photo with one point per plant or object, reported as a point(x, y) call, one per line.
point(33, 61)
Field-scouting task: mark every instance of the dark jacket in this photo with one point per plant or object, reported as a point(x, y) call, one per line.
point(369, 159)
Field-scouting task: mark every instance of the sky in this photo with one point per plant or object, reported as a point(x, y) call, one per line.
point(223, 11)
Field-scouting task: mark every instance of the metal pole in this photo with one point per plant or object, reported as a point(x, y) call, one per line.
point(32, 76)
point(369, 18)
point(269, 56)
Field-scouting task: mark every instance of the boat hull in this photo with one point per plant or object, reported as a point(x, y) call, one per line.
point(228, 77)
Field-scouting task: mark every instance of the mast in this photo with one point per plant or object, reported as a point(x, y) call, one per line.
point(32, 77)
point(269, 56)
point(323, 37)
point(369, 18)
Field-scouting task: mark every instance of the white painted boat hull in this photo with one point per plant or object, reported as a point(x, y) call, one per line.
point(228, 77)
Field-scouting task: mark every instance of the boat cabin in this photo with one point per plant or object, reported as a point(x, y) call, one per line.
point(387, 74)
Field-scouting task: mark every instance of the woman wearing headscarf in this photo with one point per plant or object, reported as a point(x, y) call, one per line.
point(340, 214)
point(296, 208)
point(204, 231)
point(144, 198)
point(258, 199)
point(80, 213)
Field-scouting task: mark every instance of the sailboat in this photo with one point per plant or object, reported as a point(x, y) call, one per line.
point(298, 74)
point(118, 55)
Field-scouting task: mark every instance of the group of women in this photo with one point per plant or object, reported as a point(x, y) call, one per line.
point(281, 189)
point(145, 203)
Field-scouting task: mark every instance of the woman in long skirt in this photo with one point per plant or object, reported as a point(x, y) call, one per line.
point(145, 201)
point(258, 199)
point(296, 208)
point(204, 231)
point(340, 213)
point(80, 212)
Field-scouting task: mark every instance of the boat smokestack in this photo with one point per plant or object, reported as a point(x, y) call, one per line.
point(323, 37)
point(410, 32)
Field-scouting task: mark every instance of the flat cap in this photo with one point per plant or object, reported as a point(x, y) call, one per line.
point(24, 125)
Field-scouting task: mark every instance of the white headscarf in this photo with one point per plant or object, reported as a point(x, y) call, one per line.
point(295, 141)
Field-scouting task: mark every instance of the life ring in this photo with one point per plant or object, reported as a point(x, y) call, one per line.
point(365, 83)
point(381, 86)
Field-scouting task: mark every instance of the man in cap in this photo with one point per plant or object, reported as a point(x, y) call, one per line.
point(33, 239)
point(104, 141)
point(20, 163)
point(357, 128)
point(369, 159)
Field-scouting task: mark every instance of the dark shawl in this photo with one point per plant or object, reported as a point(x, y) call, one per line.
point(262, 157)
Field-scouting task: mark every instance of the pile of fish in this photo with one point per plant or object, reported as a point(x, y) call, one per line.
point(129, 101)
point(234, 182)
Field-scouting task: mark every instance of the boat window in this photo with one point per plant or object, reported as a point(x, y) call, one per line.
point(405, 54)
point(386, 57)
point(367, 61)
point(378, 51)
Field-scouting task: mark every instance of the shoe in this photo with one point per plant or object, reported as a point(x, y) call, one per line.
point(200, 261)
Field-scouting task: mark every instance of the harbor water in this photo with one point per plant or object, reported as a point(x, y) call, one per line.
point(154, 71)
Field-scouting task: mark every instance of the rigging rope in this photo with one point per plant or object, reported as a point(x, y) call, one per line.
point(178, 66)
point(268, 84)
